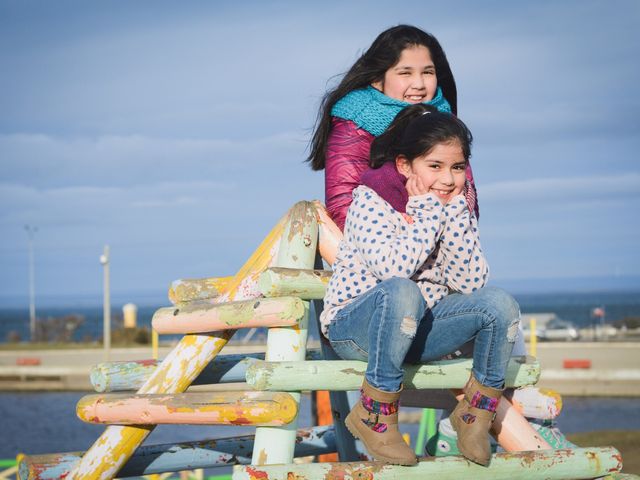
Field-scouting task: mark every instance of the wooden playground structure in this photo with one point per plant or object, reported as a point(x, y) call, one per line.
point(275, 288)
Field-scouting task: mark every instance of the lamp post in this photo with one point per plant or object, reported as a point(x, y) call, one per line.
point(106, 314)
point(31, 231)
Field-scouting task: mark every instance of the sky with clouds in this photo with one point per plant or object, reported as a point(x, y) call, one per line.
point(176, 132)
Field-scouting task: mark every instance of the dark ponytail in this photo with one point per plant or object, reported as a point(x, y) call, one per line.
point(415, 131)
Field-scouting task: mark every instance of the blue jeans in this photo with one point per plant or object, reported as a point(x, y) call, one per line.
point(391, 324)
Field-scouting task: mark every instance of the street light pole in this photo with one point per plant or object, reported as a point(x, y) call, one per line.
point(32, 284)
point(106, 314)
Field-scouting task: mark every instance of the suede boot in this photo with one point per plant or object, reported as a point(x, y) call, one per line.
point(472, 419)
point(374, 420)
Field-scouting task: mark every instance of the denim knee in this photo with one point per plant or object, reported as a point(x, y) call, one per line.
point(504, 309)
point(403, 296)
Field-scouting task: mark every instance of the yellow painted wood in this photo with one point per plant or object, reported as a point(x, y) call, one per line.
point(193, 289)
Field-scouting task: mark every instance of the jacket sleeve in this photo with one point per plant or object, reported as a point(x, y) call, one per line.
point(387, 247)
point(465, 268)
point(348, 150)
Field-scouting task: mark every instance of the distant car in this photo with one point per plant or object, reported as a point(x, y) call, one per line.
point(558, 330)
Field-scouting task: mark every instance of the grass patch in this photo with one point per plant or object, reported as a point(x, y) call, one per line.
point(626, 441)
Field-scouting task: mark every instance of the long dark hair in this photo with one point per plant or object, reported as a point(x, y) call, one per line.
point(383, 54)
point(415, 131)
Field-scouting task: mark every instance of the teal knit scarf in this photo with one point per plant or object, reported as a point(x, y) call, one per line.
point(373, 111)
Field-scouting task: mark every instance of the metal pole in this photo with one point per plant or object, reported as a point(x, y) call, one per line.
point(32, 285)
point(106, 315)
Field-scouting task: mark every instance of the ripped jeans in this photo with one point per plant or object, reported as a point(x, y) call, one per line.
point(391, 324)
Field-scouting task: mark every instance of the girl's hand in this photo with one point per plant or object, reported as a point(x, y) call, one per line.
point(415, 186)
point(408, 218)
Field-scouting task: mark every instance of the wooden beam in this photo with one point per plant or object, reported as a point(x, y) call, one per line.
point(345, 375)
point(220, 408)
point(194, 289)
point(579, 463)
point(306, 284)
point(199, 317)
point(130, 375)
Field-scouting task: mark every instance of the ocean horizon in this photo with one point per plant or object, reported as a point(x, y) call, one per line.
point(572, 306)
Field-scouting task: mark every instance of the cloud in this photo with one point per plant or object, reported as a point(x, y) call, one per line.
point(577, 189)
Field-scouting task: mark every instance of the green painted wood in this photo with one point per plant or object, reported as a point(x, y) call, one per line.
point(200, 317)
point(344, 375)
point(122, 376)
point(306, 284)
point(297, 250)
point(580, 463)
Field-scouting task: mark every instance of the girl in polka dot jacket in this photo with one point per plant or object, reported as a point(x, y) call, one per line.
point(408, 284)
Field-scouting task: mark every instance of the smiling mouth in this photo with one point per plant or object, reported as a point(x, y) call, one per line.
point(414, 98)
point(441, 193)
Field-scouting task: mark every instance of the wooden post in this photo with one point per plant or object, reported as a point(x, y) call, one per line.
point(185, 362)
point(297, 250)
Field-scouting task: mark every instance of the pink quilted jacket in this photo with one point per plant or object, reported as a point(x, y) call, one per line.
point(347, 158)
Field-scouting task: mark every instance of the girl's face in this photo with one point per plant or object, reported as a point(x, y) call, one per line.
point(413, 79)
point(441, 171)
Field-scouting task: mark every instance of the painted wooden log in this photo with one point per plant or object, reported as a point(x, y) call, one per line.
point(348, 374)
point(123, 376)
point(171, 457)
point(199, 317)
point(183, 364)
point(297, 250)
point(580, 463)
point(194, 289)
point(219, 408)
point(306, 284)
point(330, 235)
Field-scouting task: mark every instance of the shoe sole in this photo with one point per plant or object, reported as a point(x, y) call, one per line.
point(353, 429)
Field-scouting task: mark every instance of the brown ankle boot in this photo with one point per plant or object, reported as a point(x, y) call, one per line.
point(472, 419)
point(374, 420)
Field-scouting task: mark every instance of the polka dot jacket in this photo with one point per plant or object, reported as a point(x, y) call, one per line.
point(440, 250)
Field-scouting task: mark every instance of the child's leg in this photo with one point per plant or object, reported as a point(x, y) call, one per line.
point(491, 317)
point(379, 326)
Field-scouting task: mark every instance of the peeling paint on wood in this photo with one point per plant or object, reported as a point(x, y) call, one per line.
point(173, 457)
point(193, 289)
point(581, 463)
point(205, 317)
point(330, 235)
point(297, 250)
point(306, 284)
point(123, 376)
point(224, 408)
point(345, 375)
